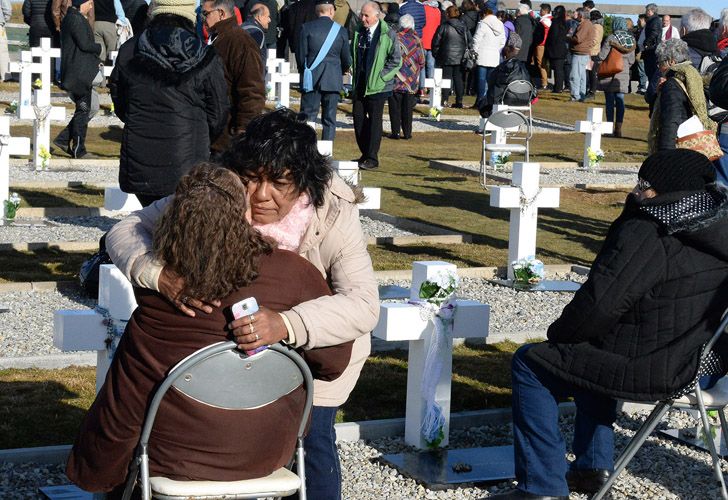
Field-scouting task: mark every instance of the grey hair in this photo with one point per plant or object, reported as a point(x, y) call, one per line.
point(374, 5)
point(407, 22)
point(227, 5)
point(258, 9)
point(672, 50)
point(651, 7)
point(523, 8)
point(723, 23)
point(696, 19)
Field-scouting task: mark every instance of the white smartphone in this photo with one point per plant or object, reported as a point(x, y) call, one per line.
point(246, 307)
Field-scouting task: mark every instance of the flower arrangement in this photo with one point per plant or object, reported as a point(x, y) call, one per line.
point(12, 107)
point(595, 157)
point(11, 206)
point(440, 288)
point(435, 113)
point(37, 83)
point(501, 159)
point(528, 271)
point(45, 157)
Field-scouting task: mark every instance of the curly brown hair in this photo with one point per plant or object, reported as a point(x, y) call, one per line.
point(203, 234)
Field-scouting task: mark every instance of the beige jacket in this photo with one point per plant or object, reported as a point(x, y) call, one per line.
point(334, 243)
point(597, 35)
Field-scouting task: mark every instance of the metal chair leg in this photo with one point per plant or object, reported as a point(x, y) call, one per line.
point(711, 443)
point(635, 443)
point(723, 426)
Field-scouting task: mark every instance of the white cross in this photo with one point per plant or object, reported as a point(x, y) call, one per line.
point(349, 171)
point(25, 68)
point(593, 127)
point(400, 321)
point(43, 113)
point(436, 83)
point(116, 199)
point(524, 197)
point(271, 67)
point(8, 146)
point(45, 53)
point(87, 330)
point(109, 69)
point(281, 81)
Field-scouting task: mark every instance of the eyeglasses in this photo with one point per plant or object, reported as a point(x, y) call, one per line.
point(206, 13)
point(643, 185)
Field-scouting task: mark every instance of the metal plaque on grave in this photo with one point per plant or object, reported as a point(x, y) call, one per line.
point(390, 292)
point(465, 465)
point(542, 286)
point(695, 437)
point(67, 492)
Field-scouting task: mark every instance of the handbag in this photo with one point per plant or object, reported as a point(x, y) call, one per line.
point(704, 142)
point(612, 65)
point(470, 59)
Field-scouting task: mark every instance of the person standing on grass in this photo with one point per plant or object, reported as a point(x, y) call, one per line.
point(404, 96)
point(80, 65)
point(557, 48)
point(615, 86)
point(581, 44)
point(449, 44)
point(489, 40)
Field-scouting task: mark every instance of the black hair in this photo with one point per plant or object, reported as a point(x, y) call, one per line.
point(526, 2)
point(546, 7)
point(278, 142)
point(588, 4)
point(559, 12)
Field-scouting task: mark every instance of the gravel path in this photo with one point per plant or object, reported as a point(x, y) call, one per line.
point(662, 468)
point(89, 173)
point(621, 176)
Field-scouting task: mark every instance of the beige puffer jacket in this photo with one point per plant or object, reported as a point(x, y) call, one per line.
point(333, 242)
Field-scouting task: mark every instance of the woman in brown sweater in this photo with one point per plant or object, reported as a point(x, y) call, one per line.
point(203, 234)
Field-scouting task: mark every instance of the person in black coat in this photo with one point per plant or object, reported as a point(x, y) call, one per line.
point(525, 26)
point(634, 330)
point(653, 37)
point(292, 19)
point(80, 65)
point(448, 45)
point(327, 77)
point(169, 89)
point(37, 14)
point(557, 48)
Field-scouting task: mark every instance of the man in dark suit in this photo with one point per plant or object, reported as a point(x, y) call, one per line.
point(326, 77)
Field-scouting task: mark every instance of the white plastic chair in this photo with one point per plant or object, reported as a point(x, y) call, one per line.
point(250, 382)
point(715, 398)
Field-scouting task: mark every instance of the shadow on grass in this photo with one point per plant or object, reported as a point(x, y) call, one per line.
point(51, 198)
point(113, 134)
point(40, 265)
point(415, 252)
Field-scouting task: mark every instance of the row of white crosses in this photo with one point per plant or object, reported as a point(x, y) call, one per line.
point(37, 106)
point(349, 171)
point(8, 146)
point(437, 83)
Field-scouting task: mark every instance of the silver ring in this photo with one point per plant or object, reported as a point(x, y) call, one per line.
point(257, 338)
point(184, 299)
point(252, 329)
point(252, 318)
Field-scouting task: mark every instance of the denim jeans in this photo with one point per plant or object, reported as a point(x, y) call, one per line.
point(613, 98)
point(642, 75)
point(429, 68)
point(482, 74)
point(540, 451)
point(577, 78)
point(721, 164)
point(323, 470)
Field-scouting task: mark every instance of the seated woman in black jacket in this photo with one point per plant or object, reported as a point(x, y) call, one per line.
point(634, 330)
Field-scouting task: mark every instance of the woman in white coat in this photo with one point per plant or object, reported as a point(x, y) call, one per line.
point(488, 41)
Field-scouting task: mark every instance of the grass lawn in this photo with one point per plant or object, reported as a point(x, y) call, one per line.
point(45, 407)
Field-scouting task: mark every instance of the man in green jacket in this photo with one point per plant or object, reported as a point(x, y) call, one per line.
point(376, 57)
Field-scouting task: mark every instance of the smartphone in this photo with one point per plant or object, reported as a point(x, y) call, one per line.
point(246, 307)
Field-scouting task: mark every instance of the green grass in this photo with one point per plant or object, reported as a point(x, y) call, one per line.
point(45, 407)
point(76, 196)
point(40, 265)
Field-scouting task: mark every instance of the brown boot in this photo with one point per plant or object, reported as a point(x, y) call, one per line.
point(617, 129)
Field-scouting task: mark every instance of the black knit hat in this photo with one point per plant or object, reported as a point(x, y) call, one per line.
point(677, 170)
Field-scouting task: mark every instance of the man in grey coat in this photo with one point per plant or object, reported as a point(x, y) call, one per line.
point(327, 76)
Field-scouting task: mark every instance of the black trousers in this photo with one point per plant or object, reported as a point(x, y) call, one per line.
point(401, 106)
point(75, 132)
point(368, 112)
point(310, 102)
point(592, 78)
point(558, 66)
point(454, 73)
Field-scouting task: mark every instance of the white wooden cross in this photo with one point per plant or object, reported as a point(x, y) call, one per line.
point(524, 197)
point(25, 68)
point(349, 171)
point(271, 67)
point(45, 53)
point(84, 330)
point(436, 83)
point(116, 199)
point(43, 113)
point(400, 321)
point(8, 146)
point(109, 69)
point(281, 81)
point(593, 127)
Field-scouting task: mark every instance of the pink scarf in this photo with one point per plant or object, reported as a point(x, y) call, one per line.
point(288, 232)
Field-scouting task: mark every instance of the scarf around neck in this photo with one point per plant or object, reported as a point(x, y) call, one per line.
point(288, 232)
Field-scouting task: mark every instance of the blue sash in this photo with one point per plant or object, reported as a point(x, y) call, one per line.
point(308, 72)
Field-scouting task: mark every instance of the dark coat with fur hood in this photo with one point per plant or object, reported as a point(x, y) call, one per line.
point(654, 296)
point(169, 90)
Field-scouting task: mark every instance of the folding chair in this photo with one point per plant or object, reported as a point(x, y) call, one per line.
point(516, 126)
point(715, 398)
point(250, 382)
point(520, 94)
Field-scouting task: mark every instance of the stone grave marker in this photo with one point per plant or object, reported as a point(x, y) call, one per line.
point(271, 66)
point(349, 171)
point(45, 53)
point(524, 197)
point(437, 83)
point(25, 68)
point(593, 127)
point(8, 146)
point(281, 81)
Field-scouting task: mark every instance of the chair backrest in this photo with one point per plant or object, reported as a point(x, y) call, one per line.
point(249, 381)
point(518, 93)
point(508, 118)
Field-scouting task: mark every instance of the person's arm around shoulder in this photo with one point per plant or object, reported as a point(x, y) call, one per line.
point(623, 272)
point(320, 322)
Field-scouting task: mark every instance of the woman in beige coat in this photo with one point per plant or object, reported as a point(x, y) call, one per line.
point(597, 34)
point(297, 201)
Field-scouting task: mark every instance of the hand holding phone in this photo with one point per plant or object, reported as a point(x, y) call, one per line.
point(246, 307)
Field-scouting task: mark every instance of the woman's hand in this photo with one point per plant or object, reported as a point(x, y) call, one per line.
point(264, 327)
point(172, 286)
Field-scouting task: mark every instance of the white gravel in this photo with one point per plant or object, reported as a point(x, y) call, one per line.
point(88, 173)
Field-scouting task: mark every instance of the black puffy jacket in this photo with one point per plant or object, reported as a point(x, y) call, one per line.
point(449, 42)
point(719, 85)
point(37, 14)
point(169, 90)
point(674, 109)
point(79, 53)
point(655, 295)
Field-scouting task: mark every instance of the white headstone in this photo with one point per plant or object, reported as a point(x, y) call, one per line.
point(44, 113)
point(349, 171)
point(45, 53)
point(8, 146)
point(75, 330)
point(25, 68)
point(116, 199)
point(399, 321)
point(436, 83)
point(593, 127)
point(524, 197)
